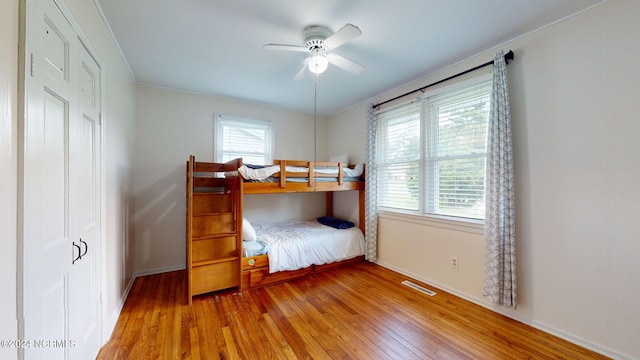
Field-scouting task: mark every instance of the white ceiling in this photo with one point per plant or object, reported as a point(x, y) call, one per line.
point(214, 47)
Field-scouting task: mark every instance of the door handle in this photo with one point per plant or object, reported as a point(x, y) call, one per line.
point(75, 258)
point(80, 252)
point(86, 248)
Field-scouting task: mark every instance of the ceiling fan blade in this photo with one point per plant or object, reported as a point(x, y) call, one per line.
point(300, 74)
point(346, 64)
point(345, 34)
point(284, 47)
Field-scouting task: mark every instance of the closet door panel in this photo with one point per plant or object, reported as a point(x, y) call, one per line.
point(60, 189)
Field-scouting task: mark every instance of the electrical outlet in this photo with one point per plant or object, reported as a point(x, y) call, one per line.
point(454, 262)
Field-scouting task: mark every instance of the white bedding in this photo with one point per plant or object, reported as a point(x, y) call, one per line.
point(263, 173)
point(296, 244)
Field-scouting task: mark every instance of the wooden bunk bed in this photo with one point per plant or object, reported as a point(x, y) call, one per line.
point(214, 219)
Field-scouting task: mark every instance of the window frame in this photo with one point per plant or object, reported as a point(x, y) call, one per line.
point(220, 152)
point(421, 215)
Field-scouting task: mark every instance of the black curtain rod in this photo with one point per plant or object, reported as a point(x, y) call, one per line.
point(508, 56)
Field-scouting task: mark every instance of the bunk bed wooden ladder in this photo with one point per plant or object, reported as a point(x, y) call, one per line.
point(214, 227)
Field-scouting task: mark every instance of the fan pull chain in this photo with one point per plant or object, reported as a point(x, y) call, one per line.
point(315, 117)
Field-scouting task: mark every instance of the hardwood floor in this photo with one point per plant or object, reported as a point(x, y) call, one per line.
point(357, 312)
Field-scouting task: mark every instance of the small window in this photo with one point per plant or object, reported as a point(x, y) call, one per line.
point(432, 151)
point(251, 140)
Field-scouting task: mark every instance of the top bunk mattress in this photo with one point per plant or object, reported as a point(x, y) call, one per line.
point(265, 173)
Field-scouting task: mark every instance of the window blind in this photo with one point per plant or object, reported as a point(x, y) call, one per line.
point(457, 138)
point(399, 157)
point(431, 152)
point(251, 140)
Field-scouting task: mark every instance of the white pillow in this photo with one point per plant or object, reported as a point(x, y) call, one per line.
point(248, 232)
point(344, 158)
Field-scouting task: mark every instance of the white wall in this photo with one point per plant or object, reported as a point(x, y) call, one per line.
point(172, 125)
point(346, 134)
point(8, 172)
point(574, 96)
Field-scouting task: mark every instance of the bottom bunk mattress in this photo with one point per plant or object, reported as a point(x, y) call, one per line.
point(296, 244)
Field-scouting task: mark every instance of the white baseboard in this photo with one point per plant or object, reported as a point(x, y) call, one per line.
point(536, 324)
point(107, 329)
point(158, 270)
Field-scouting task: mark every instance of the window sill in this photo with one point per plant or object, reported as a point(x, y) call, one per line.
point(467, 225)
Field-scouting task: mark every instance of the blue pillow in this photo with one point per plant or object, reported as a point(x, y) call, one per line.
point(335, 223)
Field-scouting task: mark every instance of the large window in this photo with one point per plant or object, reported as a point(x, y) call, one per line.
point(431, 152)
point(251, 140)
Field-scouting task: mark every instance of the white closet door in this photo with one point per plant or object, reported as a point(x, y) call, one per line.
point(84, 182)
point(61, 191)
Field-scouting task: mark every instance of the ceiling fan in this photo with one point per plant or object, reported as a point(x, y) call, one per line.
point(319, 41)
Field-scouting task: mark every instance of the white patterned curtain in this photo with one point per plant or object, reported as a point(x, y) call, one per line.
point(371, 203)
point(500, 232)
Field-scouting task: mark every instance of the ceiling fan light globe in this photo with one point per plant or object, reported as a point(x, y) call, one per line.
point(318, 64)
